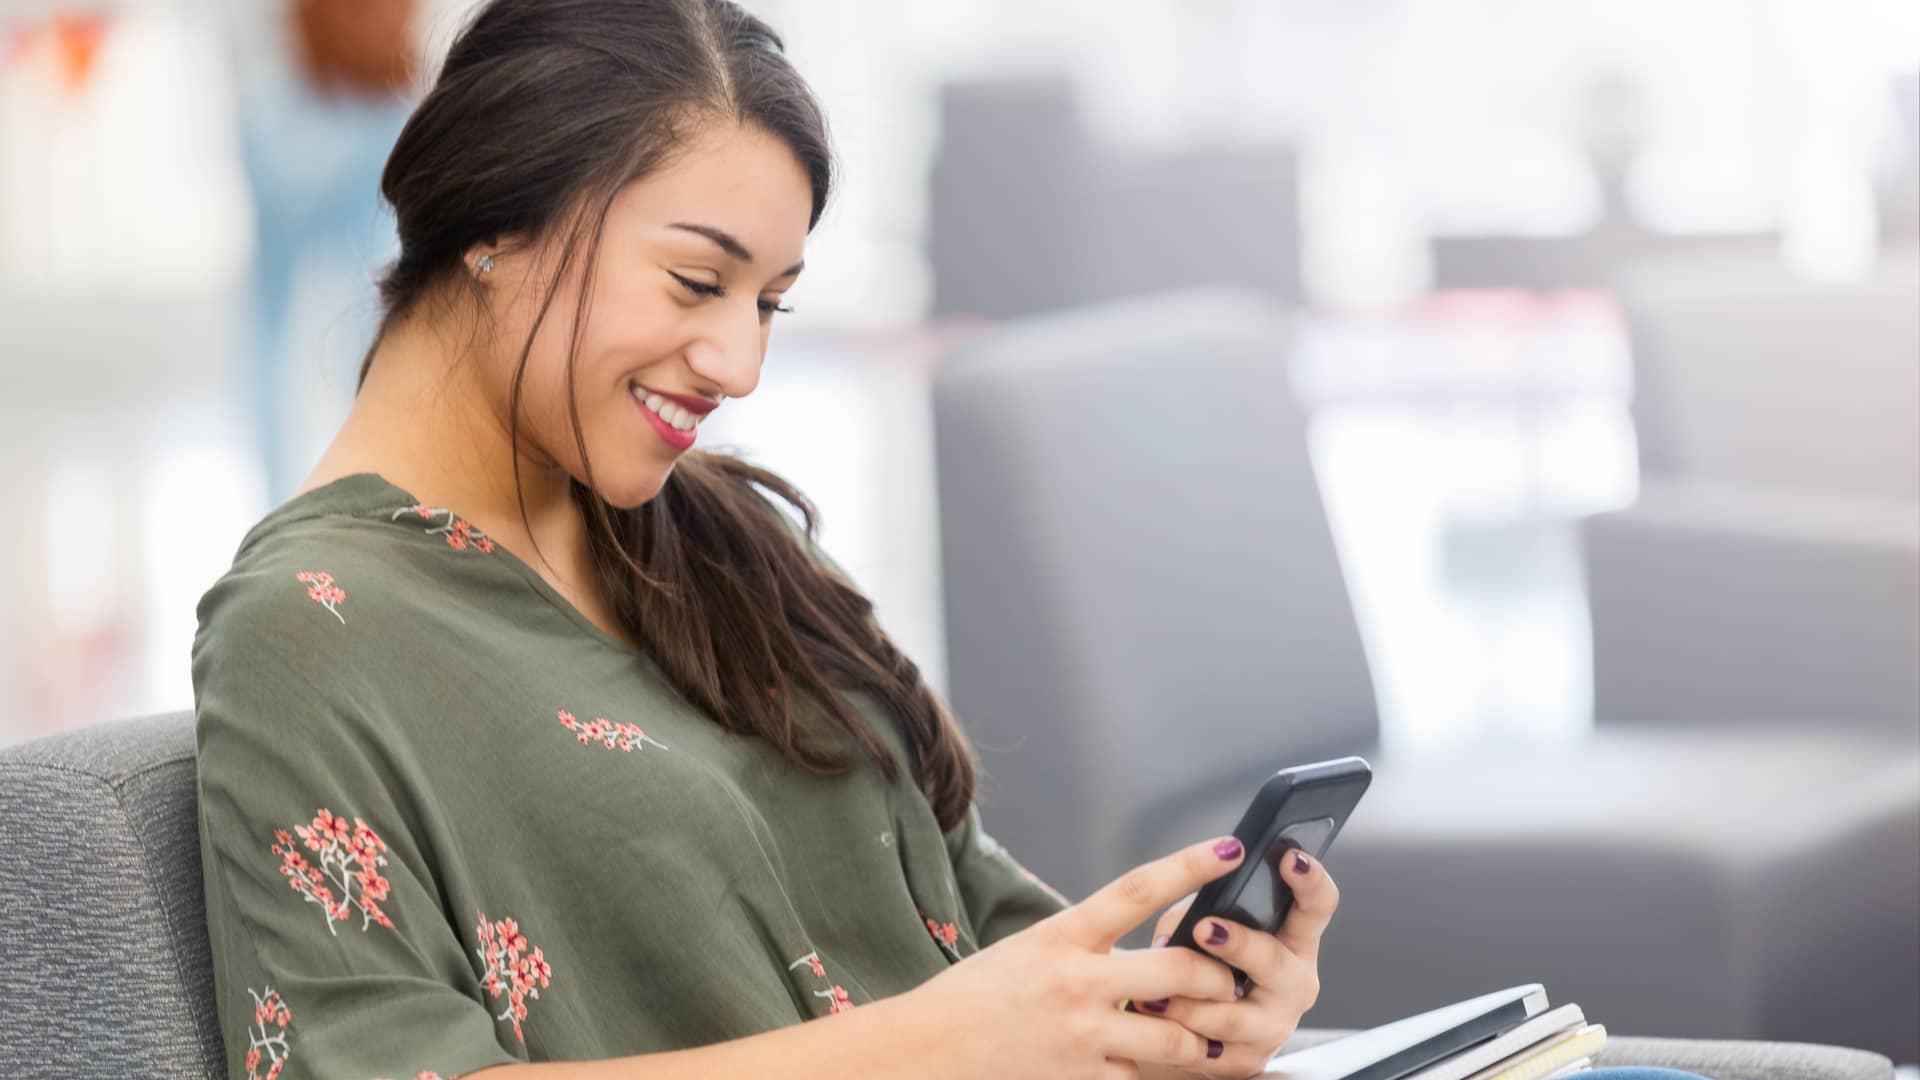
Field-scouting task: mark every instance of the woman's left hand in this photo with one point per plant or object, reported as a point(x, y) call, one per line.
point(1283, 970)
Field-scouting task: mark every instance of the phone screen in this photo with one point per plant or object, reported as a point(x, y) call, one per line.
point(1265, 899)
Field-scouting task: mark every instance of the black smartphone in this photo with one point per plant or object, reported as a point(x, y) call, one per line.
point(1301, 808)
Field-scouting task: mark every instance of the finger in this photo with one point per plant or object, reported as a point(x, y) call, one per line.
point(1265, 1020)
point(1134, 897)
point(1315, 898)
point(1261, 955)
point(1119, 1070)
point(1153, 975)
point(1170, 921)
point(1148, 1039)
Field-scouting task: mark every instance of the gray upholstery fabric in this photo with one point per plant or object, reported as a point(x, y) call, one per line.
point(1729, 1060)
point(1715, 1059)
point(103, 913)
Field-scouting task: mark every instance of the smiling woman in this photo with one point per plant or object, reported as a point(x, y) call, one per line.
point(529, 733)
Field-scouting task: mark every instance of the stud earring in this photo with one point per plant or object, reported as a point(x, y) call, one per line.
point(484, 264)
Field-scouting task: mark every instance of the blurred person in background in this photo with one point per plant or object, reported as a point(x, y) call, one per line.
point(528, 733)
point(320, 94)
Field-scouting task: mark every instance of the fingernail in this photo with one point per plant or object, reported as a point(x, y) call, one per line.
point(1228, 849)
point(1215, 1048)
point(1161, 940)
point(1300, 864)
point(1156, 1006)
point(1216, 934)
point(1239, 991)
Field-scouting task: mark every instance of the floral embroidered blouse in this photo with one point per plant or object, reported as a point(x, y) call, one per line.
point(447, 823)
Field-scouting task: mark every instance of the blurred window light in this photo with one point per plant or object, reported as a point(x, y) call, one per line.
point(1830, 230)
point(82, 529)
point(128, 178)
point(199, 495)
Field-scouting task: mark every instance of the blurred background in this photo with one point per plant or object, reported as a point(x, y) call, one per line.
point(1484, 385)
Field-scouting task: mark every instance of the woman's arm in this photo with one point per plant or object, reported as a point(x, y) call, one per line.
point(1037, 1005)
point(888, 1038)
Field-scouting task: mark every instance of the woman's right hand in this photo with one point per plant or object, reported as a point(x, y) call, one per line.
point(1047, 1002)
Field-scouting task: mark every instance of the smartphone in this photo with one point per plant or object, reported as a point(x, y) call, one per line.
point(1302, 809)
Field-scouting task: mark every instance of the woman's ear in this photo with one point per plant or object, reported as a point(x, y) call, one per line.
point(481, 257)
point(485, 256)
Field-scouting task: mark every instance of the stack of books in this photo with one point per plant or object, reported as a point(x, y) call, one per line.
point(1509, 1035)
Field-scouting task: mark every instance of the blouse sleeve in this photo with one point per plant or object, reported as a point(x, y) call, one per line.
point(333, 951)
point(1001, 896)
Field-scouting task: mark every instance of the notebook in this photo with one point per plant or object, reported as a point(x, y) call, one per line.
point(1548, 1025)
point(1547, 1059)
point(1405, 1046)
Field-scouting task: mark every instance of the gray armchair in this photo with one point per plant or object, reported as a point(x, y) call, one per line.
point(1770, 570)
point(101, 908)
point(1145, 614)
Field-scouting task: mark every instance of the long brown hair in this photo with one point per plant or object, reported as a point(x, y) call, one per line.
point(542, 112)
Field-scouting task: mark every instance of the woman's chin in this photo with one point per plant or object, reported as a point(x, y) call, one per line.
point(632, 492)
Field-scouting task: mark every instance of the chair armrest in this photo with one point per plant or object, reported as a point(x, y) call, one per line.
point(1729, 1060)
point(1717, 1059)
point(1717, 605)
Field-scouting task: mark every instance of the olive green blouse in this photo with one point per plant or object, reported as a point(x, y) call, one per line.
point(447, 822)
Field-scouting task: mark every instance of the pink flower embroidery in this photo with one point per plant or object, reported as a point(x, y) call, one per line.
point(836, 995)
point(350, 857)
point(609, 734)
point(945, 935)
point(268, 1009)
point(321, 590)
point(461, 534)
point(510, 969)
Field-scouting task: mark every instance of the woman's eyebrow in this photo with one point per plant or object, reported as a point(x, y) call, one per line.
point(731, 246)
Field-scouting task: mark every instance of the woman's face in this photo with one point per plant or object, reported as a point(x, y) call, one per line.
point(693, 262)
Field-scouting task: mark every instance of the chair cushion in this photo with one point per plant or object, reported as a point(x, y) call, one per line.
point(104, 914)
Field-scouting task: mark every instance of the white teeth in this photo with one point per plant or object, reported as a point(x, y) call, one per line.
point(675, 416)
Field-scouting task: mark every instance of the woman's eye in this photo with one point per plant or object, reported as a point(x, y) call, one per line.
point(697, 288)
point(769, 307)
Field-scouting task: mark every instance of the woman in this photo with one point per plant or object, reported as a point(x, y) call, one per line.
point(530, 734)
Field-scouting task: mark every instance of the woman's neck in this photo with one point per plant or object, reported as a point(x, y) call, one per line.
point(424, 422)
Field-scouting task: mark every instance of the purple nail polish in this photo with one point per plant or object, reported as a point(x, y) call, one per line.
point(1239, 990)
point(1215, 1048)
point(1300, 864)
point(1228, 849)
point(1216, 934)
point(1156, 1006)
point(1161, 940)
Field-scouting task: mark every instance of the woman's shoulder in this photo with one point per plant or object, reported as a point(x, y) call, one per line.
point(346, 566)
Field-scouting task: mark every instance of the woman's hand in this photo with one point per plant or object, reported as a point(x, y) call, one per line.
point(1283, 969)
point(1044, 1002)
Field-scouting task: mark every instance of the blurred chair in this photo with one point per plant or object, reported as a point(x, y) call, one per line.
point(1580, 261)
point(1017, 171)
point(1770, 570)
point(1146, 615)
